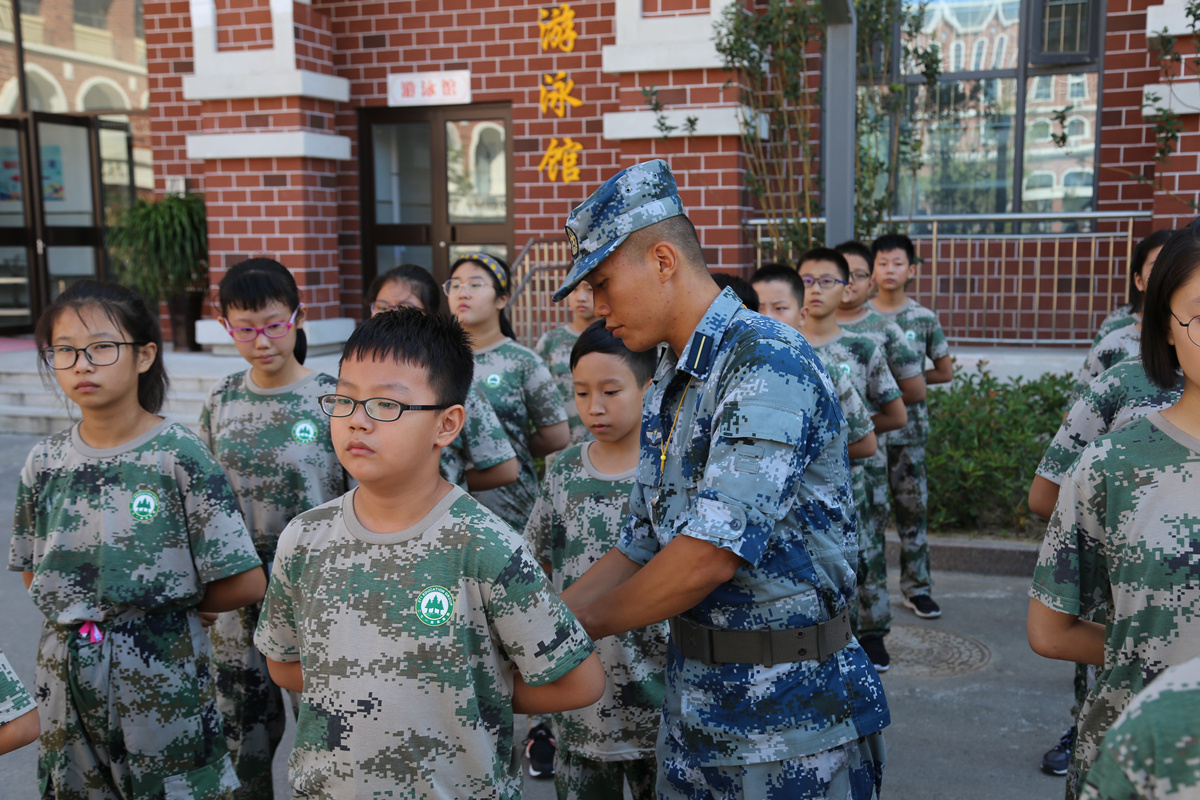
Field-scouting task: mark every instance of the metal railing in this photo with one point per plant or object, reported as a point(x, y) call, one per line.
point(1008, 279)
point(538, 270)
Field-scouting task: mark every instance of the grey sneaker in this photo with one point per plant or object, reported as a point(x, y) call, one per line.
point(923, 606)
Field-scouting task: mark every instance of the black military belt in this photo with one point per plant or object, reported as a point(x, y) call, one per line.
point(763, 646)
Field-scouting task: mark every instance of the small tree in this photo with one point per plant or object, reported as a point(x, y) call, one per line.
point(160, 248)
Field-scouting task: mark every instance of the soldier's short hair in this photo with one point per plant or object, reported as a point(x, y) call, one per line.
point(596, 338)
point(678, 231)
point(1175, 266)
point(826, 254)
point(853, 247)
point(777, 271)
point(436, 343)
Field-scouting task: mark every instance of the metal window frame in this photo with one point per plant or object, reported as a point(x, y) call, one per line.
point(1037, 52)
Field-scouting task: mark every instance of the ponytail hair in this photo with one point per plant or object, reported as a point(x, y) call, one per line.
point(498, 271)
point(129, 312)
point(256, 282)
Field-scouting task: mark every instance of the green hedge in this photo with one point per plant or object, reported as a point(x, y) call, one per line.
point(986, 438)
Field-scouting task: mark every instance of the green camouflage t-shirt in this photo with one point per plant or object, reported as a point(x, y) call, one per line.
point(860, 359)
point(1116, 398)
point(146, 525)
point(524, 396)
point(902, 360)
point(1121, 344)
point(555, 349)
point(1125, 535)
point(924, 335)
point(858, 419)
point(576, 520)
point(14, 699)
point(481, 444)
point(1153, 750)
point(407, 642)
point(1119, 318)
point(275, 448)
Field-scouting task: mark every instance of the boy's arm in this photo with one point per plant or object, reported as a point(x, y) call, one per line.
point(236, 591)
point(913, 390)
point(580, 687)
point(892, 416)
point(864, 447)
point(501, 474)
point(1043, 495)
point(550, 439)
point(1066, 637)
point(21, 731)
point(942, 372)
point(287, 674)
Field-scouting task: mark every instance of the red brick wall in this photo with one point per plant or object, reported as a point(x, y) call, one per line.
point(169, 57)
point(662, 8)
point(314, 41)
point(244, 25)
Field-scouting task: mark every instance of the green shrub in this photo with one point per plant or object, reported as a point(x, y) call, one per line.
point(986, 438)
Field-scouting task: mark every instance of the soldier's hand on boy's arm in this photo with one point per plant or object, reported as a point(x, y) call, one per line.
point(1067, 637)
point(892, 416)
point(613, 569)
point(580, 687)
point(19, 732)
point(236, 591)
point(942, 372)
point(207, 618)
point(287, 674)
point(677, 578)
point(913, 390)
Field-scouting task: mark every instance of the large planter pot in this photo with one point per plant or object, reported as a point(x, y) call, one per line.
point(185, 309)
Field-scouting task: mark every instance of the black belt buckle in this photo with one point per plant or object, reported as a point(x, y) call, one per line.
point(694, 640)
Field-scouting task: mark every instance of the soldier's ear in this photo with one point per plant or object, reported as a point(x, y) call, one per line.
point(666, 260)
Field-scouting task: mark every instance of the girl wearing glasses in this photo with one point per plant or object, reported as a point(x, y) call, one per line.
point(125, 528)
point(481, 457)
point(514, 379)
point(266, 429)
point(1125, 532)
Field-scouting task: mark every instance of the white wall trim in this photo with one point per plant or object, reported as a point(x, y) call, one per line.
point(662, 43)
point(290, 83)
point(269, 144)
point(1182, 97)
point(1171, 15)
point(723, 121)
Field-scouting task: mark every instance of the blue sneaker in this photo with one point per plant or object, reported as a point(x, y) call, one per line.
point(1058, 758)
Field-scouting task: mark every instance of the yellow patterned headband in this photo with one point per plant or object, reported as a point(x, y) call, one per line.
point(492, 264)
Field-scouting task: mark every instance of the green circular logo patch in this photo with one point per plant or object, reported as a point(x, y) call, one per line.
point(305, 431)
point(845, 368)
point(435, 604)
point(144, 505)
point(910, 335)
point(493, 380)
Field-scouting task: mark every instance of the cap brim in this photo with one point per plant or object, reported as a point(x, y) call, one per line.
point(586, 264)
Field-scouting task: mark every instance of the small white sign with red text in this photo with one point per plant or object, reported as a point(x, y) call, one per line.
point(429, 88)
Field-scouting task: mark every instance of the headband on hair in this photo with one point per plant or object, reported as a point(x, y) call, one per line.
point(492, 264)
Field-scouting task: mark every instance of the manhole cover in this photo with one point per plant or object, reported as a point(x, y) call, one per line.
point(925, 651)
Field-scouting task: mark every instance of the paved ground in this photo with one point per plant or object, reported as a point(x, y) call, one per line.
point(972, 707)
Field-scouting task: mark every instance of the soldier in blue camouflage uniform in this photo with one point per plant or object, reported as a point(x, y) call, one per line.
point(19, 722)
point(1152, 752)
point(741, 525)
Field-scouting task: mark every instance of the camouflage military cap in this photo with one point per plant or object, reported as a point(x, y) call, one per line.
point(632, 199)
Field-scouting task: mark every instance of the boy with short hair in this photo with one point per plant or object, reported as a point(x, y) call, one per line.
point(555, 349)
point(408, 616)
point(818, 284)
point(894, 261)
point(577, 518)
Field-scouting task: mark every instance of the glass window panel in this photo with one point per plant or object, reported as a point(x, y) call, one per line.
point(1065, 26)
point(66, 174)
point(116, 170)
point(12, 206)
point(977, 26)
point(14, 286)
point(1071, 163)
point(67, 265)
point(965, 162)
point(9, 96)
point(393, 255)
point(403, 176)
point(476, 171)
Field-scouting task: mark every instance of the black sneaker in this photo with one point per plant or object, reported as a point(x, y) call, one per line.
point(1058, 758)
point(873, 646)
point(539, 752)
point(923, 606)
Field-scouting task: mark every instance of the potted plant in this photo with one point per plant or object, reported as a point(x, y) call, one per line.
point(160, 248)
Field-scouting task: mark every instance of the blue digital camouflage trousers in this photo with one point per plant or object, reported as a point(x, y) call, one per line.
point(579, 778)
point(910, 502)
point(852, 771)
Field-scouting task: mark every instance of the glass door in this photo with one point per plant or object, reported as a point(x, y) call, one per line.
point(16, 285)
point(439, 183)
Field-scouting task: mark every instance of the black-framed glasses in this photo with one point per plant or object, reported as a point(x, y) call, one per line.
point(276, 330)
point(380, 409)
point(1193, 327)
point(859, 276)
point(460, 287)
point(98, 354)
point(825, 281)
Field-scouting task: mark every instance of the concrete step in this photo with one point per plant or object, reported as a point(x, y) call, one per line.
point(47, 420)
point(187, 384)
point(187, 404)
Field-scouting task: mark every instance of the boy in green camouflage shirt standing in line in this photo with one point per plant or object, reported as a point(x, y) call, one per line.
point(894, 261)
point(578, 516)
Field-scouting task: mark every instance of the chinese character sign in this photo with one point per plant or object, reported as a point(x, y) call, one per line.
point(429, 88)
point(556, 28)
point(556, 93)
point(562, 158)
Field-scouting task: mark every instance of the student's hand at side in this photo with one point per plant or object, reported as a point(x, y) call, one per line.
point(580, 687)
point(550, 439)
point(1066, 637)
point(1043, 496)
point(864, 447)
point(502, 474)
point(942, 372)
point(236, 591)
point(207, 618)
point(892, 416)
